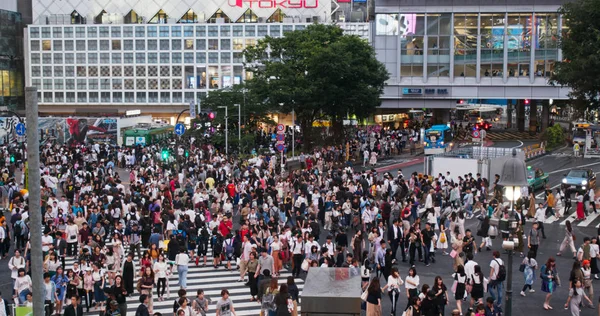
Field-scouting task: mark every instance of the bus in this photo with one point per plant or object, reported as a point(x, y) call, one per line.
point(146, 134)
point(579, 131)
point(477, 114)
point(438, 139)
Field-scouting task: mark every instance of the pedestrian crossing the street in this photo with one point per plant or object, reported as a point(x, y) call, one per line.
point(207, 278)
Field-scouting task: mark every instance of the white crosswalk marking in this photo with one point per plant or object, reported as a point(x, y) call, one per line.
point(590, 218)
point(571, 218)
point(209, 279)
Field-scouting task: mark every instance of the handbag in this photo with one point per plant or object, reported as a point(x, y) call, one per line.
point(305, 265)
point(453, 254)
point(365, 293)
point(522, 267)
point(494, 221)
point(454, 285)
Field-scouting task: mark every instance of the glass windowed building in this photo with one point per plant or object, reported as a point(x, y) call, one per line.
point(438, 53)
point(158, 60)
point(11, 61)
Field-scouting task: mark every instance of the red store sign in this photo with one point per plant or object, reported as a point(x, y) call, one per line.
point(276, 4)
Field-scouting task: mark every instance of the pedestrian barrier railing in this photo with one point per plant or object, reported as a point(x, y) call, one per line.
point(535, 150)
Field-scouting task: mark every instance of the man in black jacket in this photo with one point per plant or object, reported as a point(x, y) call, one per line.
point(395, 239)
point(142, 309)
point(75, 309)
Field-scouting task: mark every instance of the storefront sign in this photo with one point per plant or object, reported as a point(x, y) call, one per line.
point(412, 91)
point(276, 4)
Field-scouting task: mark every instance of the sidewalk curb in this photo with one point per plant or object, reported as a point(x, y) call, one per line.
point(405, 164)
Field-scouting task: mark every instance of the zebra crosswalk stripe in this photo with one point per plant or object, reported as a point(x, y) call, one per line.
point(209, 279)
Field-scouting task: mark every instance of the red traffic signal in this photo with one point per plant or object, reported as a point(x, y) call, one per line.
point(461, 101)
point(526, 101)
point(211, 116)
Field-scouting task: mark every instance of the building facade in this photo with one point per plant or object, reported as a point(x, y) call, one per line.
point(156, 56)
point(438, 52)
point(11, 61)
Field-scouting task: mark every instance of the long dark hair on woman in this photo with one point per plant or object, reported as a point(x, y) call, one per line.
point(374, 286)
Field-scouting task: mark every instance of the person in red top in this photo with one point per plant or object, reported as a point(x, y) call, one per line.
point(225, 226)
point(245, 231)
point(309, 163)
point(231, 189)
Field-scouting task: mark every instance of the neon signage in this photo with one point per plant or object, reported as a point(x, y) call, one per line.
point(276, 4)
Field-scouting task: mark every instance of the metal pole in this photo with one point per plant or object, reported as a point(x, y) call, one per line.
point(33, 160)
point(508, 311)
point(239, 127)
point(293, 133)
point(226, 133)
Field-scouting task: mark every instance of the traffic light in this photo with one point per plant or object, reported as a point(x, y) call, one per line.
point(187, 153)
point(526, 101)
point(211, 116)
point(12, 158)
point(460, 101)
point(165, 154)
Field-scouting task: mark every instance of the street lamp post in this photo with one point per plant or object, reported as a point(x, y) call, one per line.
point(226, 130)
point(239, 128)
point(513, 177)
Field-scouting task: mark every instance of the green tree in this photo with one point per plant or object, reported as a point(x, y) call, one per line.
point(318, 72)
point(580, 44)
point(253, 112)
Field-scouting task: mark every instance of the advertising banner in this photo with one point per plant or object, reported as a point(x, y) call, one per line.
point(78, 130)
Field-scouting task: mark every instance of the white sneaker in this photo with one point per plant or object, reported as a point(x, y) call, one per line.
point(523, 293)
point(532, 291)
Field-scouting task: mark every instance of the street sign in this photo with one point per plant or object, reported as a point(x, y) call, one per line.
point(483, 134)
point(192, 110)
point(476, 134)
point(280, 137)
point(280, 128)
point(20, 129)
point(280, 147)
point(179, 129)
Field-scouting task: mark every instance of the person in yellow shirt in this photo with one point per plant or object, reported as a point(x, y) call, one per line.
point(210, 182)
point(550, 202)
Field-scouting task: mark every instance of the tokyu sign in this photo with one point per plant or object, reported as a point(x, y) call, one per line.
point(276, 4)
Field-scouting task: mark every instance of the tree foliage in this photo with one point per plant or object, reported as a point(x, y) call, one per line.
point(580, 44)
point(318, 72)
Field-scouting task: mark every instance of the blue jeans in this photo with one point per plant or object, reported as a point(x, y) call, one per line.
point(469, 209)
point(23, 296)
point(496, 293)
point(182, 274)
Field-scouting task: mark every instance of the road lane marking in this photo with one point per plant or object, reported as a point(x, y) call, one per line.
point(590, 218)
point(571, 218)
point(575, 167)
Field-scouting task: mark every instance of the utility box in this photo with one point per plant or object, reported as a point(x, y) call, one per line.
point(331, 292)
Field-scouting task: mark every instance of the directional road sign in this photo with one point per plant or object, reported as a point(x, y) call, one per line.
point(179, 129)
point(20, 129)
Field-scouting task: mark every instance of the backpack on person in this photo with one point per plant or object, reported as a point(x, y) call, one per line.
point(501, 276)
point(229, 248)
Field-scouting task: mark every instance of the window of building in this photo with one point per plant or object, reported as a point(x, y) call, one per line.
point(238, 31)
point(152, 71)
point(213, 44)
point(81, 71)
point(201, 57)
point(176, 71)
point(35, 46)
point(546, 40)
point(59, 97)
point(92, 45)
point(165, 97)
point(189, 17)
point(225, 44)
point(275, 30)
point(76, 18)
point(201, 44)
point(439, 29)
point(69, 46)
point(128, 44)
point(46, 45)
point(70, 97)
point(248, 17)
point(165, 58)
point(263, 30)
point(116, 44)
point(140, 44)
point(58, 71)
point(238, 44)
point(92, 32)
point(175, 31)
point(103, 31)
point(59, 84)
point(188, 58)
point(152, 31)
point(131, 18)
point(105, 97)
point(81, 84)
point(81, 97)
point(250, 30)
point(140, 58)
point(101, 18)
point(129, 97)
point(152, 58)
point(93, 97)
point(80, 45)
point(225, 30)
point(176, 44)
point(117, 84)
point(80, 57)
point(34, 82)
point(140, 97)
point(80, 32)
point(200, 31)
point(128, 71)
point(140, 31)
point(165, 84)
point(164, 44)
point(153, 97)
point(213, 72)
point(177, 97)
point(115, 31)
point(68, 32)
point(56, 32)
point(225, 57)
point(70, 84)
point(213, 58)
point(48, 97)
point(165, 71)
point(189, 44)
point(46, 58)
point(128, 31)
point(105, 84)
point(238, 58)
point(276, 17)
point(93, 84)
point(201, 77)
point(411, 45)
point(250, 42)
point(163, 31)
point(117, 97)
point(104, 58)
point(69, 58)
point(47, 84)
point(492, 33)
point(104, 45)
point(116, 58)
point(213, 31)
point(35, 58)
point(58, 58)
point(34, 32)
point(128, 58)
point(159, 18)
point(218, 15)
point(176, 58)
point(58, 45)
point(287, 28)
point(188, 31)
point(47, 71)
point(140, 84)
